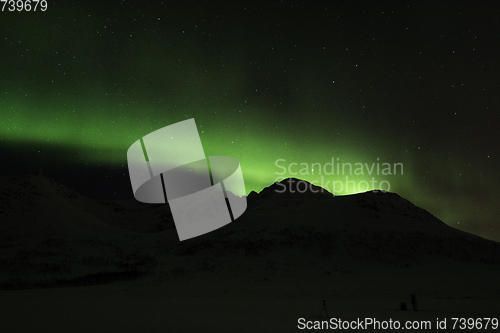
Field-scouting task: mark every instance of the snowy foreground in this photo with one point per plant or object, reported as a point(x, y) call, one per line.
point(265, 303)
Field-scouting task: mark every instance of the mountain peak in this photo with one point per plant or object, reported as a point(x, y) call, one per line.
point(289, 191)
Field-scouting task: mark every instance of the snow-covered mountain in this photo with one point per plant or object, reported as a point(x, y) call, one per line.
point(51, 236)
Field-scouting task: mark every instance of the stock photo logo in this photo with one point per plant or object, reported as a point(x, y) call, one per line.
point(169, 165)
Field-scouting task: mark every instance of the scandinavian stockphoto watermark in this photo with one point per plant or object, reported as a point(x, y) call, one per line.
point(169, 164)
point(337, 176)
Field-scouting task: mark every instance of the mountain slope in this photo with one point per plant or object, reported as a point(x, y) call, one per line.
point(52, 236)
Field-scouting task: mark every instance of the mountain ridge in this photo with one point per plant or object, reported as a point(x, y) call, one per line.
point(46, 225)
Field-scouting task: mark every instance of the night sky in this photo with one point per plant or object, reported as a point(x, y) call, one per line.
point(415, 83)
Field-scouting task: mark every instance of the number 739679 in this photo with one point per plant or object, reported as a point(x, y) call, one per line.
point(24, 5)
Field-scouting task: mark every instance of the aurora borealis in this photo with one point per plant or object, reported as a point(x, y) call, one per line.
point(391, 82)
